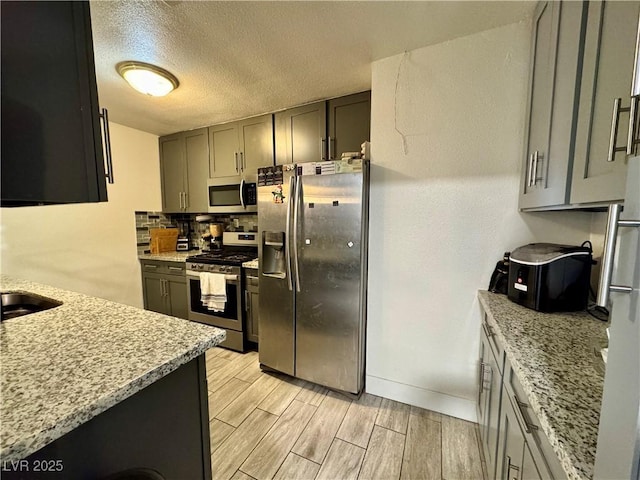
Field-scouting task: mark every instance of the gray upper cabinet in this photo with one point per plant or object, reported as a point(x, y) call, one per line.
point(552, 110)
point(349, 124)
point(196, 157)
point(301, 134)
point(323, 130)
point(223, 156)
point(172, 168)
point(239, 148)
point(184, 170)
point(600, 164)
point(255, 137)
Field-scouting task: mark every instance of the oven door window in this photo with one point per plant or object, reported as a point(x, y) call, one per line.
point(224, 195)
point(230, 307)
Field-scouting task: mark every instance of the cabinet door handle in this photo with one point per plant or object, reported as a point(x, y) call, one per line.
point(530, 171)
point(631, 134)
point(243, 165)
point(175, 269)
point(186, 200)
point(104, 116)
point(235, 154)
point(537, 156)
point(511, 466)
point(481, 379)
point(323, 156)
point(617, 110)
point(606, 270)
point(151, 266)
point(528, 427)
point(329, 151)
point(162, 287)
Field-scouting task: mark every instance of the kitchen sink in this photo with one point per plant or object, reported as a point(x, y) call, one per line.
point(17, 304)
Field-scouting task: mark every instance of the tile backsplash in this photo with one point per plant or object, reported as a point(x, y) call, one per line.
point(147, 220)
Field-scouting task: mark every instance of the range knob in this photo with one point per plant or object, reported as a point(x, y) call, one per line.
point(200, 267)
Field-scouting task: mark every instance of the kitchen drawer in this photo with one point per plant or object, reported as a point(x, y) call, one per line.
point(162, 267)
point(496, 347)
point(543, 455)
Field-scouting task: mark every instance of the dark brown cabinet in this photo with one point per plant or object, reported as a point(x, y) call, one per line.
point(51, 135)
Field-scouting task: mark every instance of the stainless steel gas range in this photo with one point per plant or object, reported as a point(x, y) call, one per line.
point(238, 247)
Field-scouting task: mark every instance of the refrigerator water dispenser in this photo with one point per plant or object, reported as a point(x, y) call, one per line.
point(273, 254)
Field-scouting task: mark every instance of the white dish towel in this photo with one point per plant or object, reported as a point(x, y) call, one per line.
point(213, 291)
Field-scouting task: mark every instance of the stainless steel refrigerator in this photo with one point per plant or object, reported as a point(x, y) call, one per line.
point(313, 238)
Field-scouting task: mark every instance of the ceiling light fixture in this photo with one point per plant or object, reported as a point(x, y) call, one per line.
point(147, 78)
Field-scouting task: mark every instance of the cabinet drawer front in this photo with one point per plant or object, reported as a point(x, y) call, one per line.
point(162, 267)
point(544, 456)
point(496, 347)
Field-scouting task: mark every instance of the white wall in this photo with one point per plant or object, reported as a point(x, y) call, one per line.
point(89, 248)
point(444, 209)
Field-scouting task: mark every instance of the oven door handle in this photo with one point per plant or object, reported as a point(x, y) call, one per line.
point(228, 278)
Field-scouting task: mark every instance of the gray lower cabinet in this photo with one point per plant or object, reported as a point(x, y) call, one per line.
point(164, 287)
point(489, 396)
point(239, 148)
point(514, 446)
point(160, 432)
point(610, 43)
point(184, 168)
point(251, 304)
point(554, 70)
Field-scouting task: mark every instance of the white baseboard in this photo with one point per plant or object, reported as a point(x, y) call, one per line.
point(420, 397)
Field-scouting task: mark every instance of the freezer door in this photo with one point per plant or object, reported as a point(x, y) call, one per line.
point(329, 312)
point(276, 300)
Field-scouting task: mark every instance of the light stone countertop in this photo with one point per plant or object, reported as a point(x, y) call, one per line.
point(251, 264)
point(169, 256)
point(63, 366)
point(552, 355)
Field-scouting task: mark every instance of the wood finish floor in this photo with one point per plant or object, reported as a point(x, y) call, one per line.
point(271, 426)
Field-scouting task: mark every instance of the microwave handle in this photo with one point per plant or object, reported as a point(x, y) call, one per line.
point(242, 194)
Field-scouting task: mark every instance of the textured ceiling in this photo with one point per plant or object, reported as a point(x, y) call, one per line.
point(237, 59)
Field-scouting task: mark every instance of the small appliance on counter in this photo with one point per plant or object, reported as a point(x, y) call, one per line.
point(550, 278)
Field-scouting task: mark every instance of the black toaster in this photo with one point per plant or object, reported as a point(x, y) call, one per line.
point(550, 278)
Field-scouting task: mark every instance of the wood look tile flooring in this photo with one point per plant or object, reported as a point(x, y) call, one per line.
point(270, 426)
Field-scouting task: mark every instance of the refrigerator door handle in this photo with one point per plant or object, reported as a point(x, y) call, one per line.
point(296, 208)
point(606, 271)
point(288, 233)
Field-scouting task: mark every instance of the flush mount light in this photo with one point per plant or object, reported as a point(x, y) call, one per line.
point(147, 78)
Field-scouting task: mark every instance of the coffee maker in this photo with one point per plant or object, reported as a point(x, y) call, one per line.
point(216, 230)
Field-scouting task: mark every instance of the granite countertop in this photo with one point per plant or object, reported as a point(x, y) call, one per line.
point(63, 366)
point(251, 264)
point(552, 355)
point(169, 256)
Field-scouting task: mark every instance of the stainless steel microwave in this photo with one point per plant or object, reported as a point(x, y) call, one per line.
point(232, 195)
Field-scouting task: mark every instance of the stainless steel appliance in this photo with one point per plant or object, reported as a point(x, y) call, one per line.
point(618, 452)
point(239, 247)
point(231, 195)
point(313, 226)
point(550, 278)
